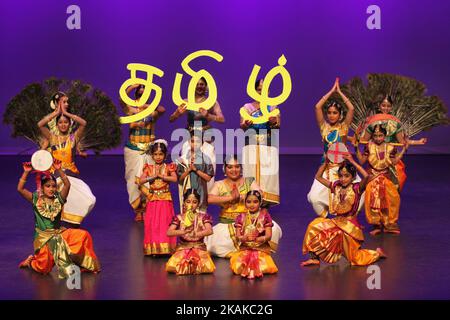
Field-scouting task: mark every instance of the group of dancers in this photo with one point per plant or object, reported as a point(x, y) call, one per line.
point(246, 233)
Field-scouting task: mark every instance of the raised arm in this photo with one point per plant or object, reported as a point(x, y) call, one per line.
point(361, 170)
point(125, 107)
point(81, 122)
point(419, 142)
point(23, 179)
point(362, 158)
point(320, 118)
point(319, 175)
point(350, 108)
point(365, 136)
point(43, 122)
point(399, 156)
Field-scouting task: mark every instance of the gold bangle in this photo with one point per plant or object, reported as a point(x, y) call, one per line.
point(22, 179)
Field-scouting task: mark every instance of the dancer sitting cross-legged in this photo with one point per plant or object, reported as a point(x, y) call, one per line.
point(254, 231)
point(192, 226)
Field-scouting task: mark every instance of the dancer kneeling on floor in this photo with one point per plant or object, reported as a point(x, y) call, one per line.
point(191, 256)
point(329, 239)
point(54, 244)
point(254, 231)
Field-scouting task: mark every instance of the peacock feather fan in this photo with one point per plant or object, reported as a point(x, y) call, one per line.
point(103, 129)
point(410, 104)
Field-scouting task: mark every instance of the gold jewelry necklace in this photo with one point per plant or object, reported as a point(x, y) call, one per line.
point(50, 209)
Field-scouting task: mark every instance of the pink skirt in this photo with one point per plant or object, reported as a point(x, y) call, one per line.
point(157, 219)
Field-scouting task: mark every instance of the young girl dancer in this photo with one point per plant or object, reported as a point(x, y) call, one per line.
point(333, 120)
point(254, 231)
point(191, 256)
point(54, 244)
point(330, 239)
point(382, 200)
point(159, 210)
point(63, 144)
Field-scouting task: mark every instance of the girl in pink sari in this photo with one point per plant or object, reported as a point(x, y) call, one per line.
point(159, 211)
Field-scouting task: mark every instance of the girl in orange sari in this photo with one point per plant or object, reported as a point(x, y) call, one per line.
point(54, 244)
point(329, 239)
point(382, 201)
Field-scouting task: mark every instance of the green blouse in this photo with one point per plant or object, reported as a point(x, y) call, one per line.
point(43, 215)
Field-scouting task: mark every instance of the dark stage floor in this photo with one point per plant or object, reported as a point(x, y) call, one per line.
point(417, 267)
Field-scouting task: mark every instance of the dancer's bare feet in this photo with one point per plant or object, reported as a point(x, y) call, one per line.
point(138, 217)
point(27, 262)
point(310, 262)
point(393, 231)
point(375, 231)
point(381, 253)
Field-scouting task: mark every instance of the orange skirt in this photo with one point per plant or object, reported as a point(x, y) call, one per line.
point(382, 203)
point(401, 173)
point(187, 261)
point(252, 263)
point(80, 248)
point(329, 242)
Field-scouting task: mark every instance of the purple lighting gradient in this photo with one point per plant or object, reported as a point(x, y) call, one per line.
point(320, 39)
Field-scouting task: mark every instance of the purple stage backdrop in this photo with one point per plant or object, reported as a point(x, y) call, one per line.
point(321, 39)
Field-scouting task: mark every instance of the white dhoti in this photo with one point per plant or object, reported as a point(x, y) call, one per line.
point(134, 164)
point(223, 241)
point(262, 163)
point(319, 196)
point(80, 201)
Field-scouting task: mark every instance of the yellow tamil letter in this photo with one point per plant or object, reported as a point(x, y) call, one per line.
point(196, 75)
point(149, 86)
point(264, 98)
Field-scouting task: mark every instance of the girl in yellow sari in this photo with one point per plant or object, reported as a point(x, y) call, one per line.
point(329, 239)
point(382, 201)
point(63, 144)
point(191, 256)
point(253, 231)
point(394, 133)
